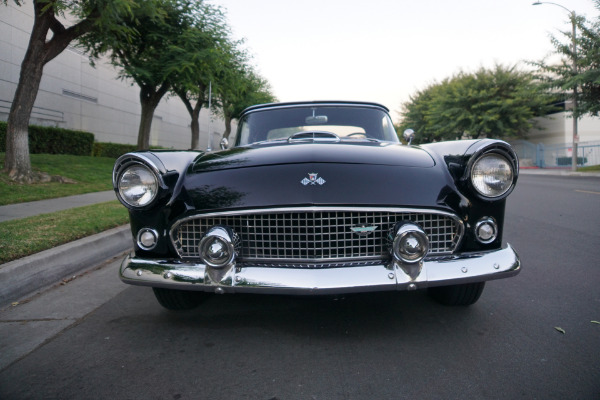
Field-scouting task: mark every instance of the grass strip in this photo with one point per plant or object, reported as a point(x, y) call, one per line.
point(23, 237)
point(92, 174)
point(592, 168)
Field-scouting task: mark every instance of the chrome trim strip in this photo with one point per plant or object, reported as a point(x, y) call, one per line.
point(463, 268)
point(321, 208)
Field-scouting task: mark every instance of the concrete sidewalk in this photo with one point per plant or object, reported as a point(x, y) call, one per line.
point(24, 210)
point(557, 172)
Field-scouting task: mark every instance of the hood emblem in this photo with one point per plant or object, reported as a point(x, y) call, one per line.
point(363, 230)
point(312, 179)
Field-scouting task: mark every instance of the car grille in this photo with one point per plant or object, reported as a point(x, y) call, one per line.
point(316, 235)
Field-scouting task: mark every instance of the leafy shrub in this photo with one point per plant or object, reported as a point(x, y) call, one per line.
point(2, 136)
point(563, 161)
point(52, 140)
point(113, 150)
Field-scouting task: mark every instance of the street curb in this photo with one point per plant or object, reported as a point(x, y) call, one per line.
point(29, 274)
point(557, 172)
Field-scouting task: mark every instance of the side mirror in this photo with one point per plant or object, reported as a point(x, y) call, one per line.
point(408, 135)
point(224, 143)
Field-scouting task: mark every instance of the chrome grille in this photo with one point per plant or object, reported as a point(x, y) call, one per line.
point(316, 235)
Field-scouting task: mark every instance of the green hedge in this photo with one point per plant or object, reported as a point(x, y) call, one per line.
point(51, 140)
point(563, 161)
point(2, 136)
point(113, 150)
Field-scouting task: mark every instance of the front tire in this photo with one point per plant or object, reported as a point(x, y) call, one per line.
point(457, 295)
point(178, 300)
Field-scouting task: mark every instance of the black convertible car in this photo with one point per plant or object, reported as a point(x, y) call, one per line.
point(318, 198)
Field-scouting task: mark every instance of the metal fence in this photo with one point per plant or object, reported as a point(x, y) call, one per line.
point(556, 155)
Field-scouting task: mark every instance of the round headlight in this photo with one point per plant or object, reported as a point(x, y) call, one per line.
point(492, 175)
point(138, 186)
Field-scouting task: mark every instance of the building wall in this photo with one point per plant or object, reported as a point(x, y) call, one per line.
point(558, 129)
point(75, 95)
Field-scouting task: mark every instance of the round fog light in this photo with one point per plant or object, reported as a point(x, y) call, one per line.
point(147, 239)
point(410, 243)
point(216, 248)
point(486, 230)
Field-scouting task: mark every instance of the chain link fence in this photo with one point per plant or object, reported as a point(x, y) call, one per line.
point(556, 155)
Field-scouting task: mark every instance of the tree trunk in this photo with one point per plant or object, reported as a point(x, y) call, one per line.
point(17, 163)
point(149, 99)
point(196, 125)
point(145, 125)
point(196, 131)
point(227, 127)
point(194, 113)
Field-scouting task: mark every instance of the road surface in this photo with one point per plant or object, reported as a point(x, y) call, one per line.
point(530, 336)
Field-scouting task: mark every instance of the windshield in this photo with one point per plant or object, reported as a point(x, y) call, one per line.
point(348, 123)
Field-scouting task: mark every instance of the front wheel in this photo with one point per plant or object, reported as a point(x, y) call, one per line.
point(457, 295)
point(179, 299)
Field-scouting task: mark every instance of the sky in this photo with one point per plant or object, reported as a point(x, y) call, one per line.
point(386, 50)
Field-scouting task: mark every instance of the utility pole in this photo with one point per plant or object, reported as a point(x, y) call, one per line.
point(208, 146)
point(575, 143)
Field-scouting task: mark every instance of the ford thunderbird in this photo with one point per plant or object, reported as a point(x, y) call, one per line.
point(318, 198)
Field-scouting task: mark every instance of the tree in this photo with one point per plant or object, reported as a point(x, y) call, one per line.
point(240, 86)
point(197, 62)
point(145, 60)
point(562, 77)
point(49, 37)
point(415, 114)
point(498, 102)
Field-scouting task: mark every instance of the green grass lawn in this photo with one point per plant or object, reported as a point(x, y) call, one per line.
point(26, 236)
point(593, 168)
point(92, 174)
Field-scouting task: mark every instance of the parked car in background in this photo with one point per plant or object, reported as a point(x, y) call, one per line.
point(318, 198)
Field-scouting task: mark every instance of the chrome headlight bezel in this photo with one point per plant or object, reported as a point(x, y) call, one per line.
point(492, 175)
point(140, 195)
point(152, 165)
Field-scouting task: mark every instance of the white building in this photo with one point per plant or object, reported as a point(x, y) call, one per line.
point(558, 129)
point(75, 95)
point(550, 144)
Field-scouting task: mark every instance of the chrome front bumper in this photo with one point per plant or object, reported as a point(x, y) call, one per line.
point(463, 268)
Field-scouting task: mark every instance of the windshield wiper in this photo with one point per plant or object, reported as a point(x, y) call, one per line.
point(367, 139)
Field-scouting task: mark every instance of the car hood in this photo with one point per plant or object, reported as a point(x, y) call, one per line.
point(372, 153)
point(317, 175)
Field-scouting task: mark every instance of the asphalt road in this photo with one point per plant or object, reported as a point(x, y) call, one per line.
point(95, 338)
